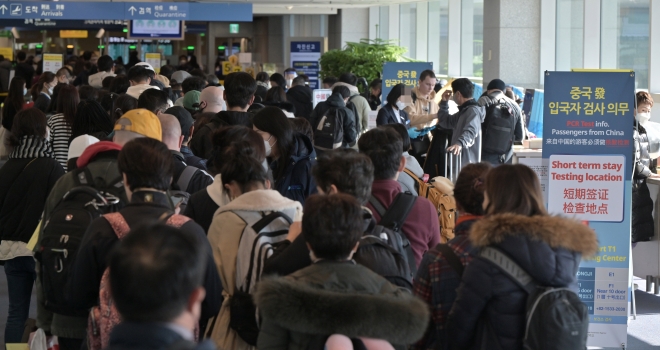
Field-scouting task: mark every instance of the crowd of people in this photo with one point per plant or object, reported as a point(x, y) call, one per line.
point(157, 210)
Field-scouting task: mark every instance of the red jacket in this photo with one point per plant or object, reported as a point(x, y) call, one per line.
point(421, 227)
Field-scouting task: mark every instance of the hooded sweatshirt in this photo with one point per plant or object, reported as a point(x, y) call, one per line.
point(301, 98)
point(336, 102)
point(136, 90)
point(360, 103)
point(96, 80)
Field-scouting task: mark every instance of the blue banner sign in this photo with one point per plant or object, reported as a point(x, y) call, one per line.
point(305, 57)
point(406, 73)
point(126, 11)
point(588, 121)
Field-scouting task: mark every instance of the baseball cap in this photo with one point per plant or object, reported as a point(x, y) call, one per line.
point(185, 119)
point(140, 121)
point(179, 76)
point(146, 65)
point(79, 144)
point(191, 100)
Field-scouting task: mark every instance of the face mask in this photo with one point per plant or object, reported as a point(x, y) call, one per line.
point(289, 82)
point(50, 90)
point(642, 118)
point(267, 145)
point(24, 91)
point(265, 164)
point(400, 105)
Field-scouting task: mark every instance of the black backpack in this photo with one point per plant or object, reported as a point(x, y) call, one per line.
point(350, 105)
point(498, 128)
point(556, 318)
point(389, 231)
point(329, 133)
point(63, 232)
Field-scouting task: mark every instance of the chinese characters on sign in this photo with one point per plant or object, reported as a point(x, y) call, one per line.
point(320, 95)
point(589, 188)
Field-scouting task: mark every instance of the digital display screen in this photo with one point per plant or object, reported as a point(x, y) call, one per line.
point(156, 28)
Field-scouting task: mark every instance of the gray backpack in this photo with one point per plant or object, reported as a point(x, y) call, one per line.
point(556, 317)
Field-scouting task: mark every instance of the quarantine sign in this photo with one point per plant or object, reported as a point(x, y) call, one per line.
point(587, 188)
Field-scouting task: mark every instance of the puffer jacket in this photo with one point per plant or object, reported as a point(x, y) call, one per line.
point(297, 182)
point(331, 297)
point(643, 225)
point(225, 235)
point(549, 248)
point(424, 111)
point(336, 102)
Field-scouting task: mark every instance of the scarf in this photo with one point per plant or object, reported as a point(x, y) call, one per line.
point(32, 147)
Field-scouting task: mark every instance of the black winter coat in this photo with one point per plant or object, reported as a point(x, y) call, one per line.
point(549, 248)
point(290, 257)
point(301, 98)
point(201, 208)
point(199, 180)
point(201, 144)
point(335, 101)
point(643, 225)
point(297, 182)
point(100, 239)
point(24, 187)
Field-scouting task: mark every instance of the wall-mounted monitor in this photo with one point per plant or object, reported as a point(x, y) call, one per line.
point(155, 29)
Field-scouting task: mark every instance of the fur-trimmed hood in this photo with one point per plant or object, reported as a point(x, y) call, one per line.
point(548, 247)
point(399, 317)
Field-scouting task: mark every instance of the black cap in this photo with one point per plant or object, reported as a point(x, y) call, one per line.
point(185, 119)
point(496, 84)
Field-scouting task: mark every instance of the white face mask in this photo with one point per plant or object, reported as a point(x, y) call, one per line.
point(50, 90)
point(24, 91)
point(265, 164)
point(642, 118)
point(400, 105)
point(268, 147)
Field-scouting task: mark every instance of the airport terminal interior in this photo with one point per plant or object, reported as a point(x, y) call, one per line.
point(329, 174)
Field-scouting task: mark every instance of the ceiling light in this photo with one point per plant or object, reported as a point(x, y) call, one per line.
point(289, 8)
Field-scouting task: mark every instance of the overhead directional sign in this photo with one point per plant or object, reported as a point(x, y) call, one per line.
point(156, 10)
point(126, 11)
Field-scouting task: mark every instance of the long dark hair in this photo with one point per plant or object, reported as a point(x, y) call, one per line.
point(521, 195)
point(67, 103)
point(123, 104)
point(46, 77)
point(30, 122)
point(276, 94)
point(52, 108)
point(15, 100)
point(90, 118)
point(273, 121)
point(228, 141)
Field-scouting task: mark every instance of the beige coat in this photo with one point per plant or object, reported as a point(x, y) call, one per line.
point(224, 235)
point(419, 117)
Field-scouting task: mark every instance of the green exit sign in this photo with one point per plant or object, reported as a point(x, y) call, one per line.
point(233, 28)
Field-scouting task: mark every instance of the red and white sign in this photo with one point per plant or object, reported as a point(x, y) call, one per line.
point(587, 188)
point(320, 95)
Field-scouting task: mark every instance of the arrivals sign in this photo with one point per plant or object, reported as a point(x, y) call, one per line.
point(588, 144)
point(192, 11)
